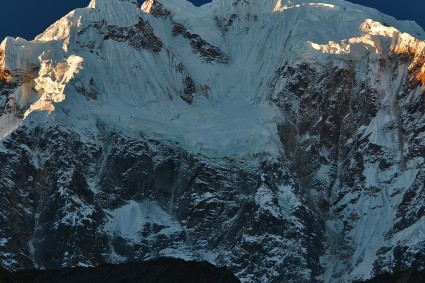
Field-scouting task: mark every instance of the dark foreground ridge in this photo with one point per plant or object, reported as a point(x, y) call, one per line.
point(7, 277)
point(167, 270)
point(399, 277)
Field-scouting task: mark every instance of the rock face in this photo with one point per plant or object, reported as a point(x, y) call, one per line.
point(283, 139)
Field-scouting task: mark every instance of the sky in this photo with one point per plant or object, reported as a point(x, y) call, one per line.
point(29, 18)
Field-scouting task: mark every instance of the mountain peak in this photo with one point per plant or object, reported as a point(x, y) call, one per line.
point(260, 134)
point(100, 3)
point(147, 6)
point(117, 12)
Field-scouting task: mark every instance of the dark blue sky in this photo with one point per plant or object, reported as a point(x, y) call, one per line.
point(29, 18)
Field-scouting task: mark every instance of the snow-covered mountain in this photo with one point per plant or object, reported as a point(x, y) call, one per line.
point(284, 139)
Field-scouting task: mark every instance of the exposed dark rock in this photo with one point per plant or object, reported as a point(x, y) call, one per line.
point(158, 10)
point(189, 90)
point(141, 36)
point(88, 91)
point(97, 25)
point(208, 52)
point(229, 22)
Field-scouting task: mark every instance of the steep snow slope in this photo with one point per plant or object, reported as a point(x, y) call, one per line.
point(281, 138)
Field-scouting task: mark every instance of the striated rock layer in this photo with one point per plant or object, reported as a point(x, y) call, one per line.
point(283, 139)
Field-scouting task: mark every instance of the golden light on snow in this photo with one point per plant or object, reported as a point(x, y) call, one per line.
point(52, 81)
point(373, 41)
point(280, 7)
point(147, 6)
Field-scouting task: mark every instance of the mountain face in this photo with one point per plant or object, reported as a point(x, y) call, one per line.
point(283, 139)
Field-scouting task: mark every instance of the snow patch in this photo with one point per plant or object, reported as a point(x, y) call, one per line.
point(375, 131)
point(266, 199)
point(280, 7)
point(131, 219)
